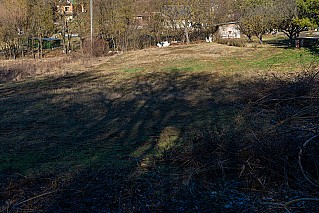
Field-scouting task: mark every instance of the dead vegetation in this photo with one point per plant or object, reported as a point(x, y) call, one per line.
point(22, 69)
point(55, 64)
point(110, 140)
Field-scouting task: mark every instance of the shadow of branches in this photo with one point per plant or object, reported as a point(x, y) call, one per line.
point(312, 46)
point(162, 141)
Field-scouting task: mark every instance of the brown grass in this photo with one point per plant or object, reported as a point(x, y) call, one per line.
point(191, 128)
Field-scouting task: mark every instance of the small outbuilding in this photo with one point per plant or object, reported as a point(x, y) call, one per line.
point(228, 30)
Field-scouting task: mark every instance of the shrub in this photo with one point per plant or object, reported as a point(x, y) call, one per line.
point(232, 42)
point(99, 47)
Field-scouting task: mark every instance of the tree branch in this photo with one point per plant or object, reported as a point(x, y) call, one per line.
point(299, 160)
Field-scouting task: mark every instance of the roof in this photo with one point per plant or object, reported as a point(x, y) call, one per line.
point(308, 37)
point(226, 23)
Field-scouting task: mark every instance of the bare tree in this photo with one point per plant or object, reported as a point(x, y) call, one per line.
point(40, 22)
point(12, 26)
point(256, 17)
point(184, 15)
point(115, 22)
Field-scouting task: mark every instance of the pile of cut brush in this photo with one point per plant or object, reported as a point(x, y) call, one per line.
point(19, 70)
point(272, 149)
point(281, 143)
point(283, 128)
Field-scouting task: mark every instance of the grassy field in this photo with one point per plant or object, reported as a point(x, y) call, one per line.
point(177, 129)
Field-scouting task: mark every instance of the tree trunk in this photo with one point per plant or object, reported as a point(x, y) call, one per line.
point(291, 39)
point(22, 51)
point(187, 35)
point(81, 45)
point(15, 49)
point(32, 46)
point(260, 39)
point(20, 46)
point(65, 30)
point(114, 44)
point(10, 50)
point(40, 47)
point(69, 42)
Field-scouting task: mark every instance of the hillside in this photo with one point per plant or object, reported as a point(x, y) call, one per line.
point(189, 128)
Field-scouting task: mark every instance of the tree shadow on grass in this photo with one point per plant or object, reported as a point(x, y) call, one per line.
point(314, 50)
point(311, 47)
point(281, 43)
point(158, 141)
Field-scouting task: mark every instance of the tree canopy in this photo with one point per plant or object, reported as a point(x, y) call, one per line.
point(131, 24)
point(295, 16)
point(256, 17)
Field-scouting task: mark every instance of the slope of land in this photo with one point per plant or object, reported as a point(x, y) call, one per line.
point(190, 128)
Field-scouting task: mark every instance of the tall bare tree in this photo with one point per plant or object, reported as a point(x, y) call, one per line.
point(12, 26)
point(184, 15)
point(40, 21)
point(115, 21)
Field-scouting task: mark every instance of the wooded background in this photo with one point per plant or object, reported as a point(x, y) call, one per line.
point(133, 24)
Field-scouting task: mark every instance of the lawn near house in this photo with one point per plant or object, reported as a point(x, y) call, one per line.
point(186, 128)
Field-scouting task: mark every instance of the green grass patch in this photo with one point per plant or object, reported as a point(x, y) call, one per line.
point(266, 59)
point(132, 70)
point(188, 65)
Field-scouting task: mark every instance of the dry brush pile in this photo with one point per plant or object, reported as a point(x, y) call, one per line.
point(283, 117)
point(18, 70)
point(270, 146)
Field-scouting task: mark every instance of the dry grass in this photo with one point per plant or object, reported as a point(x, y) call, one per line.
point(198, 57)
point(193, 128)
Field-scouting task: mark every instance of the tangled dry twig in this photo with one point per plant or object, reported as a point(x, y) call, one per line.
point(289, 203)
point(25, 201)
point(300, 162)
